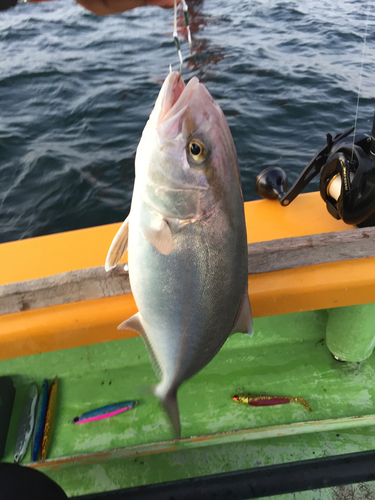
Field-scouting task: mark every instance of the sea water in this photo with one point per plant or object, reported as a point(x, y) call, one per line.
point(76, 91)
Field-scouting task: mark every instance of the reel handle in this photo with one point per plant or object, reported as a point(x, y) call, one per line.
point(268, 184)
point(271, 183)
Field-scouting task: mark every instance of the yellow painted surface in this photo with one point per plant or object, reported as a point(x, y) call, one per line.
point(61, 327)
point(93, 321)
point(268, 220)
point(58, 253)
point(322, 286)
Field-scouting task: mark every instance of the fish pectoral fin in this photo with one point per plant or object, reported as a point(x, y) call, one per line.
point(244, 320)
point(135, 323)
point(161, 238)
point(118, 246)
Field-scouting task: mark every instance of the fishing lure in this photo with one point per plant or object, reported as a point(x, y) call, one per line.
point(39, 421)
point(251, 400)
point(26, 425)
point(104, 412)
point(47, 431)
point(187, 22)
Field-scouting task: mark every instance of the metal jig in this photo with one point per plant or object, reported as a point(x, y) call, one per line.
point(175, 34)
point(104, 412)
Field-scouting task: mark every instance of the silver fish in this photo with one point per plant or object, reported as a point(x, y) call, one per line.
point(26, 425)
point(186, 238)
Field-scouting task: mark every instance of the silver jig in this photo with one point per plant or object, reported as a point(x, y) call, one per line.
point(175, 34)
point(187, 22)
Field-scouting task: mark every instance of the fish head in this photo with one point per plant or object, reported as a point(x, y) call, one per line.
point(186, 159)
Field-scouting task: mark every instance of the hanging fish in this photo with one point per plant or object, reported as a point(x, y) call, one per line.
point(26, 425)
point(186, 238)
point(39, 421)
point(104, 412)
point(251, 400)
point(47, 431)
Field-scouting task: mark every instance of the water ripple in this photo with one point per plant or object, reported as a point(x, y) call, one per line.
point(76, 91)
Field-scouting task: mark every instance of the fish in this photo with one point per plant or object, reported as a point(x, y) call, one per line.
point(39, 421)
point(50, 416)
point(186, 238)
point(244, 398)
point(104, 412)
point(26, 425)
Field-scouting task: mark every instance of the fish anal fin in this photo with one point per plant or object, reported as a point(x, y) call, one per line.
point(168, 400)
point(161, 238)
point(135, 323)
point(244, 320)
point(118, 246)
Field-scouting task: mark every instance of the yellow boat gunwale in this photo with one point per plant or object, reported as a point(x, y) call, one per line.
point(321, 286)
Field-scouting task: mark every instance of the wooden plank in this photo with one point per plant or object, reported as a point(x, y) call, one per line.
point(64, 288)
point(289, 253)
point(222, 438)
point(276, 255)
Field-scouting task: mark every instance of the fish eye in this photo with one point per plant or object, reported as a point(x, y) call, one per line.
point(197, 151)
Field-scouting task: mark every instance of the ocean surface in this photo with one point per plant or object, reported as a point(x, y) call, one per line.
point(76, 91)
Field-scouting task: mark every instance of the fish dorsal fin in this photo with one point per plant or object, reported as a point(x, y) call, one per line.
point(118, 246)
point(161, 238)
point(244, 320)
point(135, 323)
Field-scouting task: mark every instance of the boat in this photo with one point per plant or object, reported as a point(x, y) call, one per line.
point(311, 281)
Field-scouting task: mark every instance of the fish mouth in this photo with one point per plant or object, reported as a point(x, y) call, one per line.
point(175, 96)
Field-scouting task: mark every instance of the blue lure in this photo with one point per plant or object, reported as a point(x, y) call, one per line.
point(39, 422)
point(104, 412)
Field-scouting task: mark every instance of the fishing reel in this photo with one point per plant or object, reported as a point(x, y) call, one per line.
point(346, 166)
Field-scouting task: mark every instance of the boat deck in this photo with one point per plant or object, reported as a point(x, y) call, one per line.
point(287, 356)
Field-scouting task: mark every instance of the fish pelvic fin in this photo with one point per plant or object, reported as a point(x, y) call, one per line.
point(161, 238)
point(244, 319)
point(168, 400)
point(136, 324)
point(118, 246)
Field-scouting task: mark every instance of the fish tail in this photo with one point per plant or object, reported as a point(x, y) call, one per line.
point(168, 399)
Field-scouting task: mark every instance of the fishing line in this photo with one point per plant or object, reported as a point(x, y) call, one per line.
point(360, 74)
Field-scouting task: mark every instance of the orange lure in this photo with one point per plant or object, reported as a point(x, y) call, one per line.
point(47, 431)
point(243, 398)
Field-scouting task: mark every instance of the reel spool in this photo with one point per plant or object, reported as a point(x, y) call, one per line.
point(347, 178)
